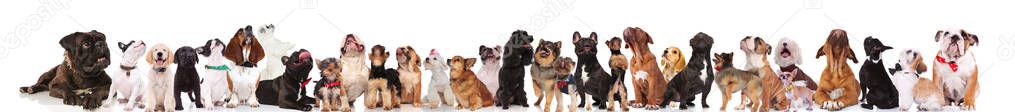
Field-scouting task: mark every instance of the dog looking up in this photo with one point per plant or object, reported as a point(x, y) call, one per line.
point(955, 67)
point(926, 94)
point(838, 87)
point(773, 88)
point(385, 85)
point(245, 52)
point(80, 79)
point(618, 68)
point(409, 75)
point(544, 77)
point(673, 62)
point(801, 87)
point(355, 72)
point(876, 87)
point(289, 90)
point(440, 86)
point(127, 83)
point(273, 49)
point(730, 80)
point(491, 67)
point(517, 54)
point(648, 80)
point(216, 84)
point(594, 81)
point(186, 79)
point(159, 91)
point(696, 78)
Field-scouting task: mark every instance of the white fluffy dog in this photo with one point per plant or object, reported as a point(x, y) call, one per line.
point(215, 85)
point(440, 85)
point(273, 49)
point(159, 91)
point(128, 81)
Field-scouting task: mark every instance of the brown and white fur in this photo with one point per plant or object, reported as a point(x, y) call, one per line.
point(354, 67)
point(160, 79)
point(730, 79)
point(955, 68)
point(838, 87)
point(618, 66)
point(773, 89)
point(215, 84)
point(490, 72)
point(673, 62)
point(648, 81)
point(245, 52)
point(468, 90)
point(409, 74)
point(329, 93)
point(924, 92)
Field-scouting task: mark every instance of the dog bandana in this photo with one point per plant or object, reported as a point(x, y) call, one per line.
point(127, 69)
point(305, 82)
point(955, 67)
point(220, 67)
point(335, 84)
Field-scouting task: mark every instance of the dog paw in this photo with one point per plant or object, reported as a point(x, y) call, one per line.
point(703, 105)
point(26, 90)
point(637, 105)
point(231, 105)
point(307, 107)
point(968, 106)
point(179, 108)
point(651, 107)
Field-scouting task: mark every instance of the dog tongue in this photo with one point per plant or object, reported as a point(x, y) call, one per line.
point(304, 55)
point(785, 54)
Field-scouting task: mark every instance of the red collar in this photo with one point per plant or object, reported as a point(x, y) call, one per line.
point(305, 82)
point(335, 83)
point(717, 68)
point(955, 67)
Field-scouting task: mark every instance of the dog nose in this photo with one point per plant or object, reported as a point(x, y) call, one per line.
point(158, 54)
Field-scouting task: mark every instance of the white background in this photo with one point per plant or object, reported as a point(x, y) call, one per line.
point(30, 30)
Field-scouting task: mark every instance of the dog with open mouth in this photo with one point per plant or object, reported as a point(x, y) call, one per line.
point(838, 87)
point(440, 84)
point(696, 78)
point(468, 90)
point(159, 90)
point(409, 74)
point(773, 93)
point(384, 84)
point(618, 68)
point(329, 93)
point(648, 79)
point(245, 52)
point(876, 87)
point(490, 56)
point(955, 67)
point(127, 83)
point(591, 78)
point(730, 79)
point(216, 85)
point(517, 54)
point(355, 72)
point(800, 86)
point(926, 94)
point(544, 77)
point(186, 79)
point(288, 91)
point(81, 79)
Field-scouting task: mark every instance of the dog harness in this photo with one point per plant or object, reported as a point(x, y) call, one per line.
point(220, 67)
point(127, 69)
point(955, 67)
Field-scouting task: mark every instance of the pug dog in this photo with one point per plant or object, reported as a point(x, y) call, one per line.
point(81, 79)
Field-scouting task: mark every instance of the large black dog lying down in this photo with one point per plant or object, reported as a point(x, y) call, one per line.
point(81, 78)
point(287, 91)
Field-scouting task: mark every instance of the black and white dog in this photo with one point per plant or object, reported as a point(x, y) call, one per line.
point(690, 82)
point(517, 54)
point(876, 87)
point(592, 79)
point(288, 91)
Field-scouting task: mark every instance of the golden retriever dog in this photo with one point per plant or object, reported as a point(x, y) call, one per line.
point(471, 93)
point(838, 87)
point(159, 93)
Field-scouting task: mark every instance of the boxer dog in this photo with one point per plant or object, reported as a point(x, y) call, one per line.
point(517, 54)
point(354, 68)
point(273, 49)
point(409, 73)
point(159, 90)
point(126, 82)
point(81, 79)
point(245, 52)
point(838, 87)
point(467, 88)
point(440, 86)
point(216, 84)
point(491, 67)
point(730, 79)
point(801, 87)
point(648, 80)
point(618, 68)
point(955, 68)
point(385, 85)
point(288, 91)
point(925, 93)
point(329, 88)
point(876, 87)
point(696, 78)
point(186, 79)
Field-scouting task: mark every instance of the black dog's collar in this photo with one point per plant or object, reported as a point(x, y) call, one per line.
point(159, 69)
point(127, 69)
point(614, 52)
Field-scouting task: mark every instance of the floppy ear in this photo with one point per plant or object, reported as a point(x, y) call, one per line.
point(386, 54)
point(575, 37)
point(171, 56)
point(148, 56)
point(648, 38)
point(970, 38)
point(850, 55)
point(176, 56)
point(481, 49)
point(256, 51)
point(821, 51)
point(626, 45)
point(233, 52)
point(285, 60)
point(448, 63)
point(594, 37)
point(937, 37)
point(920, 67)
point(469, 62)
point(768, 49)
point(70, 42)
point(666, 52)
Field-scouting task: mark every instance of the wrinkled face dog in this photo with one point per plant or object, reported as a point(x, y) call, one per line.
point(490, 54)
point(955, 67)
point(756, 51)
point(288, 90)
point(352, 46)
point(648, 79)
point(838, 88)
point(85, 58)
point(490, 72)
point(409, 74)
point(673, 62)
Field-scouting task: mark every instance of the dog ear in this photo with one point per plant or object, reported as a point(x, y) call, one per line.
point(171, 56)
point(470, 61)
point(556, 45)
point(256, 51)
point(937, 36)
point(148, 56)
point(649, 39)
point(768, 49)
point(850, 55)
point(594, 37)
point(71, 41)
point(481, 49)
point(970, 38)
point(123, 47)
point(574, 37)
point(920, 67)
point(233, 52)
point(285, 60)
point(821, 52)
point(897, 67)
point(448, 63)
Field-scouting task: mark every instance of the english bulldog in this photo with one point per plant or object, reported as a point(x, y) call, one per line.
point(955, 67)
point(490, 57)
point(354, 68)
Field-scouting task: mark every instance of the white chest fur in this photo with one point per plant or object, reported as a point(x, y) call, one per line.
point(954, 82)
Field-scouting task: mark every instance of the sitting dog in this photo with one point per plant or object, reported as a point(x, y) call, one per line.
point(673, 62)
point(467, 88)
point(273, 49)
point(648, 80)
point(838, 87)
point(955, 68)
point(773, 93)
point(906, 75)
point(81, 79)
point(730, 79)
point(409, 73)
point(384, 83)
point(216, 84)
point(544, 75)
point(186, 78)
point(517, 54)
point(126, 82)
point(355, 72)
point(593, 80)
point(876, 87)
point(802, 86)
point(618, 68)
point(288, 91)
point(563, 67)
point(329, 88)
point(245, 52)
point(696, 78)
point(440, 86)
point(491, 67)
point(159, 90)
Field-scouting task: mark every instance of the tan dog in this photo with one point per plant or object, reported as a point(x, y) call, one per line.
point(159, 93)
point(329, 92)
point(773, 89)
point(648, 81)
point(355, 71)
point(544, 72)
point(955, 68)
point(838, 87)
point(673, 62)
point(409, 74)
point(730, 79)
point(618, 67)
point(471, 93)
point(924, 92)
point(383, 83)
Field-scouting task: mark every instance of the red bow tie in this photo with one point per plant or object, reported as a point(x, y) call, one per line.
point(336, 83)
point(955, 67)
point(305, 82)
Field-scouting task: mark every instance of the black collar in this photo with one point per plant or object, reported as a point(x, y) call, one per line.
point(615, 52)
point(127, 69)
point(159, 69)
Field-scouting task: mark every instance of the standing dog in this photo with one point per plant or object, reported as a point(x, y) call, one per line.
point(955, 68)
point(245, 52)
point(618, 68)
point(838, 87)
point(517, 54)
point(544, 75)
point(355, 72)
point(409, 73)
point(926, 94)
point(673, 62)
point(801, 87)
point(440, 85)
point(288, 91)
point(563, 67)
point(731, 80)
point(186, 79)
point(81, 78)
point(467, 88)
point(330, 95)
point(773, 93)
point(384, 85)
point(160, 79)
point(491, 67)
point(216, 84)
point(876, 87)
point(126, 82)
point(273, 49)
point(696, 78)
point(593, 80)
point(648, 80)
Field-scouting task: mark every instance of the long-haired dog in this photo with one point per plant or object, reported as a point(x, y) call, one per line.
point(593, 80)
point(696, 78)
point(517, 54)
point(80, 79)
point(618, 68)
point(876, 87)
point(773, 93)
point(186, 79)
point(955, 67)
point(273, 49)
point(440, 84)
point(355, 71)
point(490, 56)
point(159, 91)
point(730, 79)
point(543, 75)
point(245, 52)
point(409, 74)
point(330, 95)
point(673, 62)
point(563, 67)
point(838, 87)
point(800, 86)
point(127, 83)
point(648, 79)
point(385, 85)
point(926, 94)
point(467, 88)
point(216, 85)
point(288, 91)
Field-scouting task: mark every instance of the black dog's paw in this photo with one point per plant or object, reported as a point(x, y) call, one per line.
point(306, 107)
point(690, 104)
point(867, 106)
point(179, 107)
point(704, 105)
point(26, 90)
point(91, 102)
